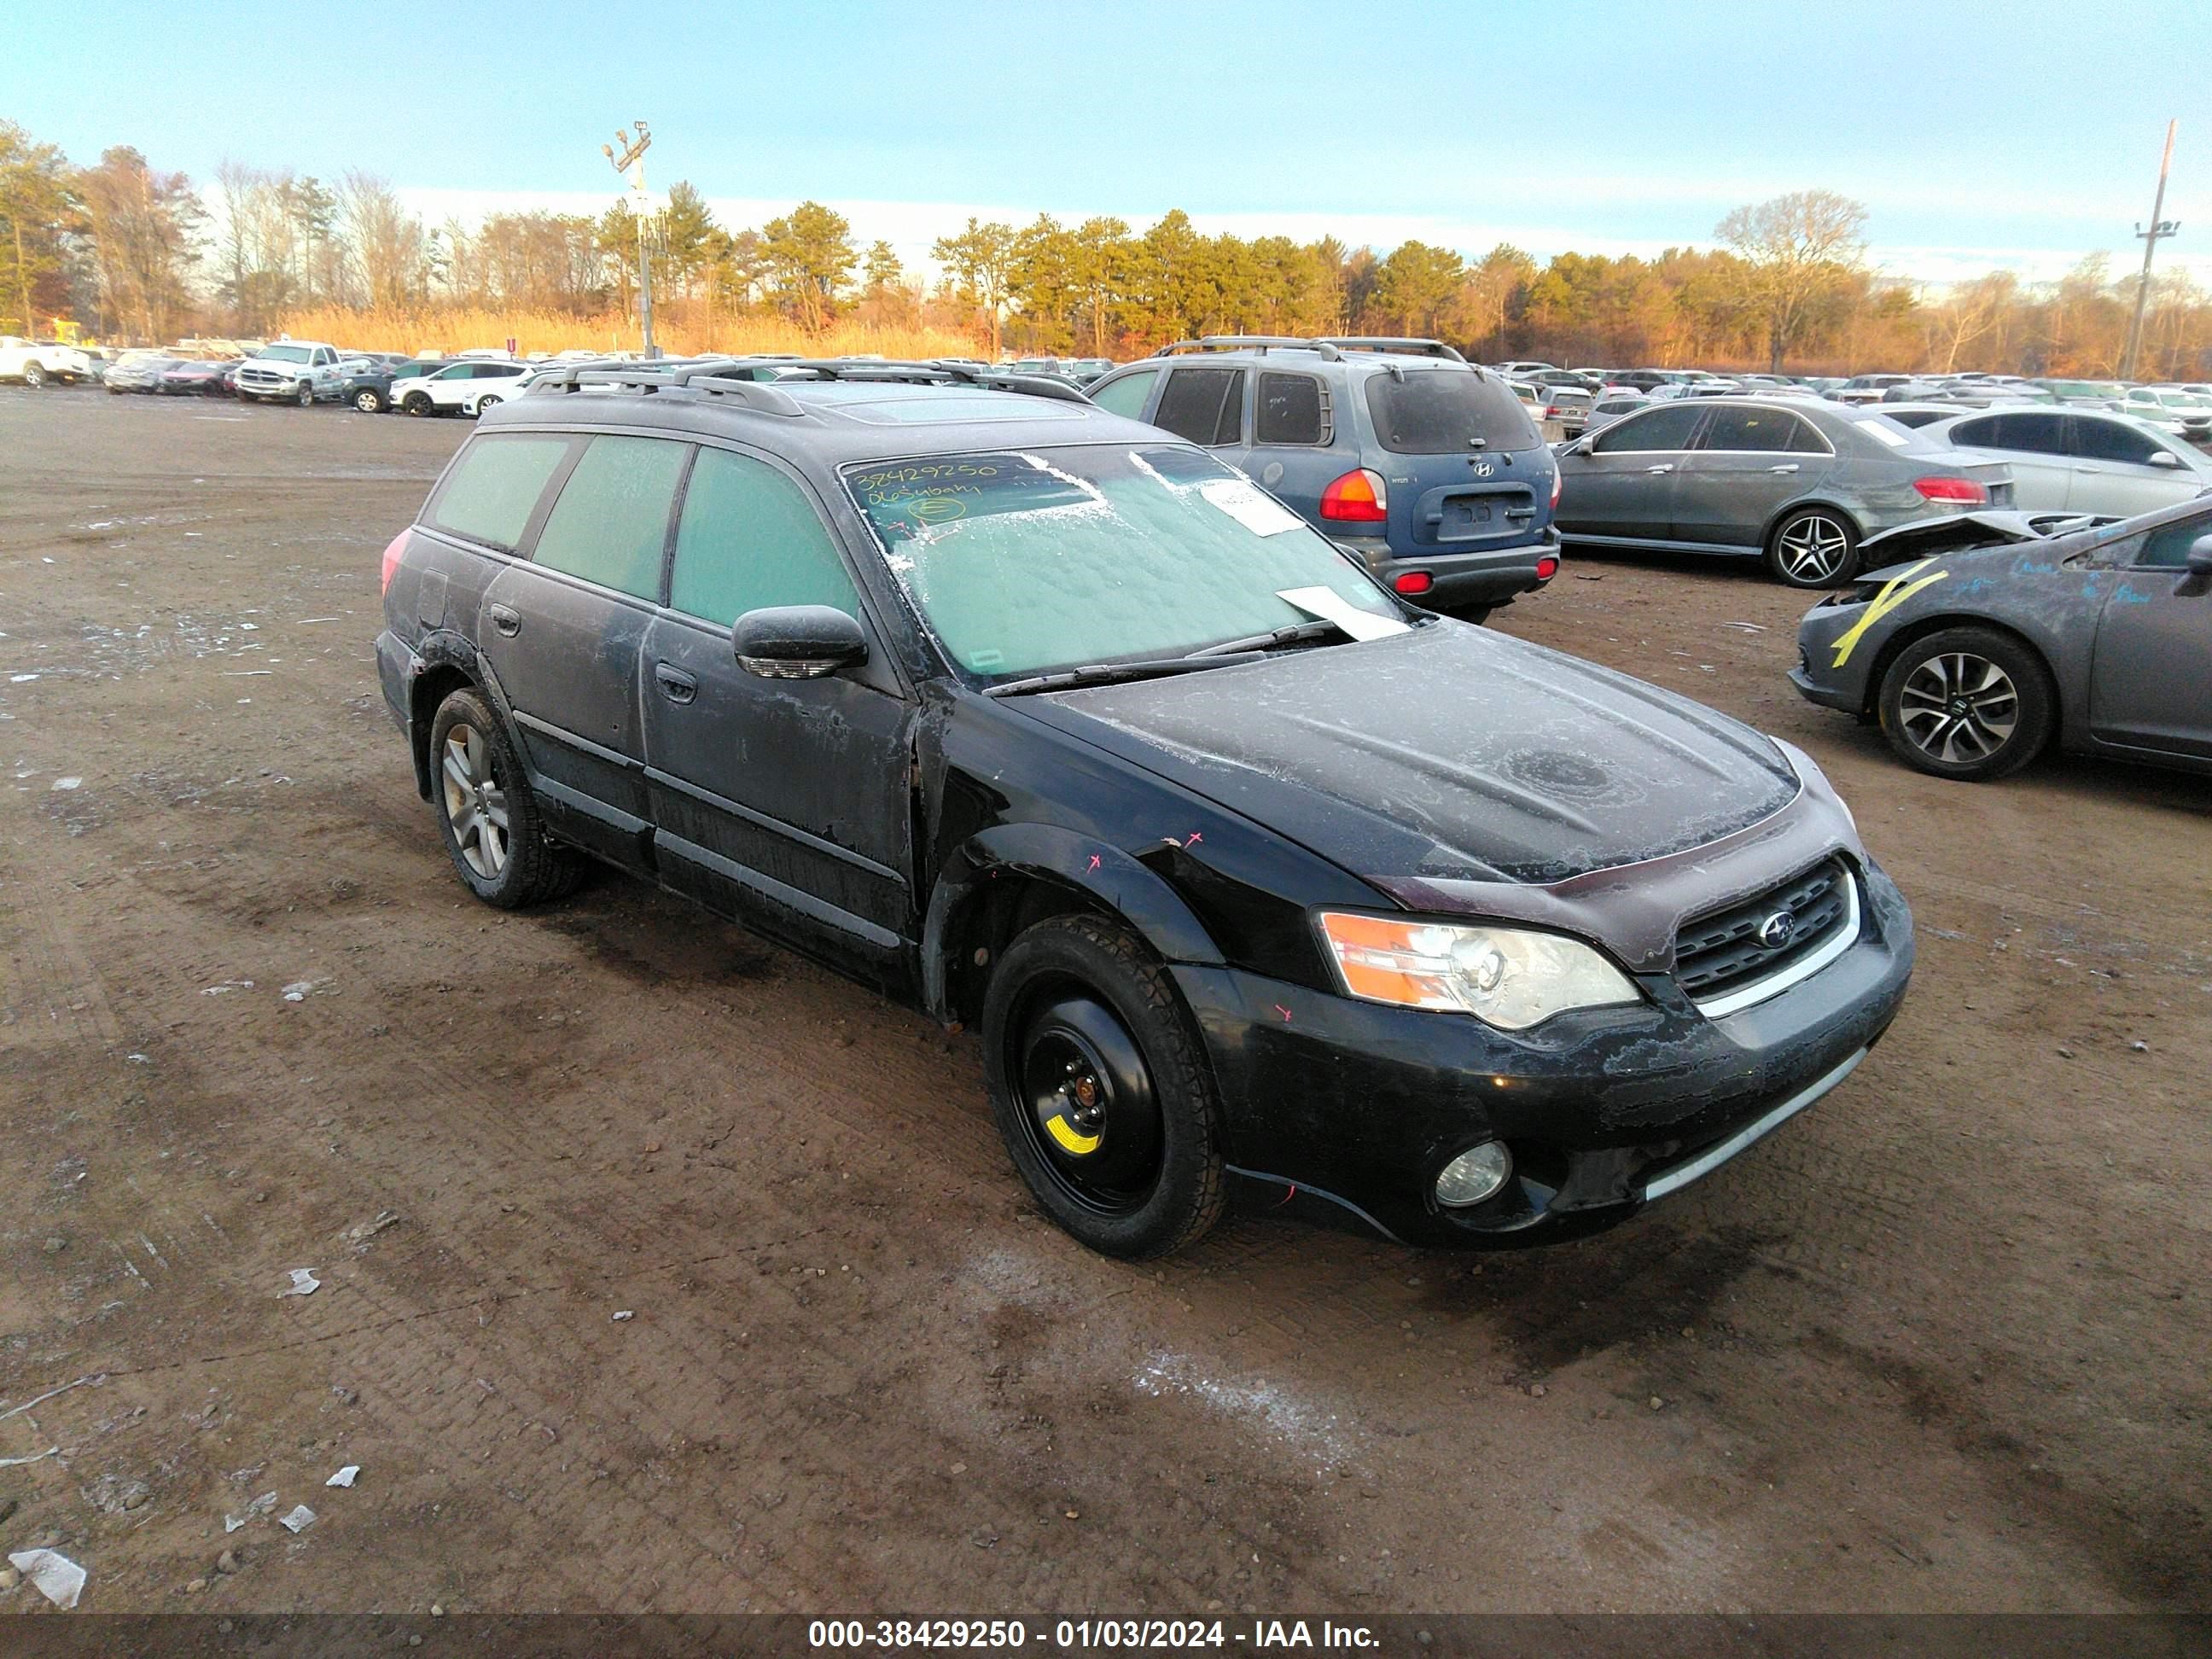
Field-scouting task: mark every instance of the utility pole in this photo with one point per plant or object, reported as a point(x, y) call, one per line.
point(631, 160)
point(2159, 227)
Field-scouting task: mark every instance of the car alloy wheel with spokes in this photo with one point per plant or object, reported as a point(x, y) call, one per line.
point(495, 832)
point(475, 805)
point(367, 401)
point(1813, 549)
point(1959, 707)
point(1966, 703)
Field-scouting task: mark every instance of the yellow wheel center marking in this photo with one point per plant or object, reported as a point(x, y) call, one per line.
point(1071, 1139)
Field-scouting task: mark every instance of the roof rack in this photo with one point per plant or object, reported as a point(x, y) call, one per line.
point(731, 377)
point(1332, 347)
point(1411, 345)
point(1250, 343)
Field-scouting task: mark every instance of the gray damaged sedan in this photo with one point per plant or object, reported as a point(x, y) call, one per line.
point(1799, 483)
point(1986, 638)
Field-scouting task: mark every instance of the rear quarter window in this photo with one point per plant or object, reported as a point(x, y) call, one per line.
point(1441, 411)
point(495, 486)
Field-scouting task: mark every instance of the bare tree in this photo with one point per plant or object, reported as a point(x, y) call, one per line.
point(1796, 250)
point(383, 241)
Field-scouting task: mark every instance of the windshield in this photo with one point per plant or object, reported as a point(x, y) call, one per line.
point(284, 354)
point(1445, 411)
point(1023, 563)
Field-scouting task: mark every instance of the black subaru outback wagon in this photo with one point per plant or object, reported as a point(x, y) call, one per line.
point(1256, 880)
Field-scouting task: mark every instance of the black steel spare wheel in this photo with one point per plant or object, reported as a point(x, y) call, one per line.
point(1101, 1089)
point(1090, 1100)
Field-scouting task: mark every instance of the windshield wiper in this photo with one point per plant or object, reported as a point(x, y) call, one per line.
point(1289, 636)
point(1106, 673)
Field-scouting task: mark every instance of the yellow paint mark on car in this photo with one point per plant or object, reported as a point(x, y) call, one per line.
point(1894, 591)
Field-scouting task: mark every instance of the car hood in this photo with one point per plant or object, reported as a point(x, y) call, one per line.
point(1449, 752)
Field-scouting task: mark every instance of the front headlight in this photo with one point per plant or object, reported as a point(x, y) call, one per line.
point(1501, 976)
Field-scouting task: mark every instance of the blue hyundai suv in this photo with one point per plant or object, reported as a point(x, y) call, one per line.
point(1420, 464)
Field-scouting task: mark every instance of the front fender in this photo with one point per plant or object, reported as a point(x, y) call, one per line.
point(1065, 858)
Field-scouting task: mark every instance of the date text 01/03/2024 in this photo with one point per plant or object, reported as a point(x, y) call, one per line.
point(1085, 1634)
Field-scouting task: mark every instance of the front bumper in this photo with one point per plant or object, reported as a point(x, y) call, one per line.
point(1344, 1109)
point(1493, 576)
point(1818, 675)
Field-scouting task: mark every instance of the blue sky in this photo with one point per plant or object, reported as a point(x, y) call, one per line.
point(2023, 134)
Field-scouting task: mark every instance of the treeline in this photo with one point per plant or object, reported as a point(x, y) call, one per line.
point(129, 252)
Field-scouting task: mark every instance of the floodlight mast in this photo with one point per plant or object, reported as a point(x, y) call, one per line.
point(630, 160)
point(2159, 229)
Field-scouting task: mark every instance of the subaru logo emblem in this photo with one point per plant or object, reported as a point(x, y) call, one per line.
point(1777, 930)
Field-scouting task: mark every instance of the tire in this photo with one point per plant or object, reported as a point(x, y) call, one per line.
point(370, 401)
point(1813, 547)
point(490, 823)
point(416, 404)
point(304, 394)
point(1969, 703)
point(484, 402)
point(1131, 1164)
point(34, 377)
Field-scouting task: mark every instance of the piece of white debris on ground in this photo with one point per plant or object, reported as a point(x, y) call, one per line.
point(298, 1520)
point(304, 1283)
point(56, 1577)
point(344, 1476)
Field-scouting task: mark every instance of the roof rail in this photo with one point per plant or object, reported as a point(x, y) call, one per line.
point(704, 378)
point(1250, 343)
point(935, 370)
point(1409, 344)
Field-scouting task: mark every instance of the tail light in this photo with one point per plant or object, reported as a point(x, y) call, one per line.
point(1558, 480)
point(1358, 497)
point(1553, 412)
point(1414, 582)
point(1546, 567)
point(391, 553)
point(1972, 492)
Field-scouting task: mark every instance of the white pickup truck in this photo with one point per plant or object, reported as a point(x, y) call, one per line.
point(294, 371)
point(35, 365)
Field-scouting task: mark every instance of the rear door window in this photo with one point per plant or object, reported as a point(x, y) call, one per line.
point(1291, 411)
point(1758, 431)
point(611, 521)
point(749, 538)
point(1446, 411)
point(495, 486)
point(1126, 395)
point(1205, 405)
point(1666, 428)
point(2113, 440)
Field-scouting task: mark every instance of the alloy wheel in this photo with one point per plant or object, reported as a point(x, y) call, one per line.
point(1959, 707)
point(1813, 549)
point(476, 804)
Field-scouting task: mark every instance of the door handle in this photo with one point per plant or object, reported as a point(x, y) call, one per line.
point(2091, 469)
point(1787, 466)
point(1663, 466)
point(507, 619)
point(677, 685)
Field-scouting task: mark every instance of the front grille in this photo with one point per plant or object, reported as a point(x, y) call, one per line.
point(1723, 951)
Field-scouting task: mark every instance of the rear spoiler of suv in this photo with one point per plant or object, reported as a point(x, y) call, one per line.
point(731, 377)
point(1331, 347)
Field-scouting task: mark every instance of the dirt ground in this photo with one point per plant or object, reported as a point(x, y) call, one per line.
point(709, 1286)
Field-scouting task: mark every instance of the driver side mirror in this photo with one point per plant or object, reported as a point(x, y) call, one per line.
point(798, 641)
point(2197, 581)
point(1584, 445)
point(2166, 458)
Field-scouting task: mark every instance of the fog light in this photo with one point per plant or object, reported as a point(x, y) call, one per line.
point(1474, 1175)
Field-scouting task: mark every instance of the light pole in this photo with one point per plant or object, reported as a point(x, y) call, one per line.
point(2159, 227)
point(630, 160)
